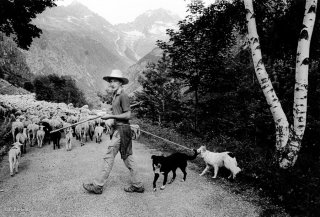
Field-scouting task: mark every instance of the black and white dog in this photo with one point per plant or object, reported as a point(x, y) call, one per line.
point(164, 165)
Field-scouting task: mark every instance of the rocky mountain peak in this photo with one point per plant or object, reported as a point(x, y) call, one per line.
point(149, 18)
point(82, 44)
point(160, 14)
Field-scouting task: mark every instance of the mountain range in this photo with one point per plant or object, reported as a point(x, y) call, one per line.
point(80, 43)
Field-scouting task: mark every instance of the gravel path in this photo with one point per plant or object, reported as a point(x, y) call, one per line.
point(49, 183)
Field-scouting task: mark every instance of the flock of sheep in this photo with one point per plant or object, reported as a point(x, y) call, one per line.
point(32, 122)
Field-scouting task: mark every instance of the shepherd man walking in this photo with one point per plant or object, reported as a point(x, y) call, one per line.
point(121, 139)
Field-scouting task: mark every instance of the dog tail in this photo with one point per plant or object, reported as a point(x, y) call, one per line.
point(233, 157)
point(193, 156)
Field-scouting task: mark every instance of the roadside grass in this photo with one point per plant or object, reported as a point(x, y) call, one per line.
point(5, 138)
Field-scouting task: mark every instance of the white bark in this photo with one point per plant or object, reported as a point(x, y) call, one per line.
point(301, 85)
point(280, 119)
point(288, 141)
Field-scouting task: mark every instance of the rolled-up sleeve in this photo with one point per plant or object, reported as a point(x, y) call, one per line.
point(125, 102)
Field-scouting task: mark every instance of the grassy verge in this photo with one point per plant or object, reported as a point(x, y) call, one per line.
point(5, 138)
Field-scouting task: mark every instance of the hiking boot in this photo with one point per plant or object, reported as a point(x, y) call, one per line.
point(132, 189)
point(92, 188)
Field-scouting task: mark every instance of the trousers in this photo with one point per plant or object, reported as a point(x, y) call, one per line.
point(108, 160)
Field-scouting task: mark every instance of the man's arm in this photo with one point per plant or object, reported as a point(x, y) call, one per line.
point(123, 116)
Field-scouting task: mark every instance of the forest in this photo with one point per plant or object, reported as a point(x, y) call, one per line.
point(205, 85)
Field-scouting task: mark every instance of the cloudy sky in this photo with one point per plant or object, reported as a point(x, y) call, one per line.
point(122, 11)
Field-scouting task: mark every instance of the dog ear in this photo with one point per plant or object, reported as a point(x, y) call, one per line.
point(152, 157)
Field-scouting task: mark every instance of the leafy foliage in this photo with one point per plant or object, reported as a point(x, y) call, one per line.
point(105, 97)
point(54, 88)
point(13, 65)
point(210, 61)
point(160, 95)
point(197, 53)
point(16, 17)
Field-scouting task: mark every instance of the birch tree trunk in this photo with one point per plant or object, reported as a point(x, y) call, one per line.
point(288, 140)
point(301, 85)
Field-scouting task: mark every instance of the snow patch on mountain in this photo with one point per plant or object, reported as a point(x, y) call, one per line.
point(159, 28)
point(70, 18)
point(149, 13)
point(116, 42)
point(86, 17)
point(135, 33)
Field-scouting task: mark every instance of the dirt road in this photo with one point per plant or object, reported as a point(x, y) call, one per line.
point(49, 183)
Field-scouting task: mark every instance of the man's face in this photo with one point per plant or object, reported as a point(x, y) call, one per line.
point(115, 84)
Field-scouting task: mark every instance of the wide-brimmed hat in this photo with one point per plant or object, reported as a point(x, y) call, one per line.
point(116, 73)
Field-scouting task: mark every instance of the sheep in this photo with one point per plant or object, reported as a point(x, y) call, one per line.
point(84, 130)
point(32, 133)
point(40, 136)
point(56, 136)
point(14, 157)
point(109, 126)
point(69, 136)
point(98, 121)
point(98, 133)
point(35, 120)
point(16, 127)
point(135, 130)
point(47, 128)
point(56, 122)
point(22, 138)
point(73, 119)
point(91, 129)
point(26, 123)
point(78, 132)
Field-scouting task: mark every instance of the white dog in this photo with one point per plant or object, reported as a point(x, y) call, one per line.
point(14, 157)
point(217, 160)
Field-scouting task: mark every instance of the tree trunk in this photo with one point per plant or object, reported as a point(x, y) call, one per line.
point(163, 110)
point(288, 141)
point(301, 77)
point(196, 110)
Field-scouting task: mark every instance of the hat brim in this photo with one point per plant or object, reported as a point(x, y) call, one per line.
point(124, 80)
